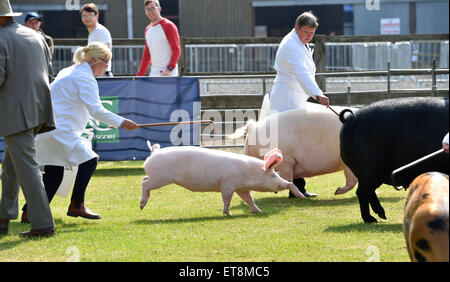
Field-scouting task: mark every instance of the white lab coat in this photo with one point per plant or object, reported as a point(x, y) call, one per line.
point(295, 81)
point(75, 98)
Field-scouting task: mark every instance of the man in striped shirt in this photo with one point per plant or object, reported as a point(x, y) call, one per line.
point(162, 43)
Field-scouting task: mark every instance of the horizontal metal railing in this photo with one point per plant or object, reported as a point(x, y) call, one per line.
point(255, 55)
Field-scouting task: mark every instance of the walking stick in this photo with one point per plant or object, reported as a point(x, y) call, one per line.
point(418, 161)
point(333, 110)
point(175, 123)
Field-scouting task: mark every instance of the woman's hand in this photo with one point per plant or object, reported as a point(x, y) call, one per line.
point(129, 124)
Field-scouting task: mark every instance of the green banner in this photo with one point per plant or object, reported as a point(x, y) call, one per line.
point(99, 132)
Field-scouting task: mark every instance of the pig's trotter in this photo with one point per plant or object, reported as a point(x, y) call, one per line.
point(246, 196)
point(227, 193)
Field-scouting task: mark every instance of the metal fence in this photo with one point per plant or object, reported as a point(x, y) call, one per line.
point(207, 58)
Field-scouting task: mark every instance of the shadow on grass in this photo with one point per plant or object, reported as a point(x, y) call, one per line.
point(117, 172)
point(270, 206)
point(15, 227)
point(283, 201)
point(366, 228)
point(195, 219)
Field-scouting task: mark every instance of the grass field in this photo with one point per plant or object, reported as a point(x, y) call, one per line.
point(179, 225)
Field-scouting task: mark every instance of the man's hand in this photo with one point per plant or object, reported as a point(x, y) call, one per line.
point(166, 73)
point(323, 100)
point(445, 147)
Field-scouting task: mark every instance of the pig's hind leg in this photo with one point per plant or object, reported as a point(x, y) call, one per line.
point(246, 196)
point(350, 182)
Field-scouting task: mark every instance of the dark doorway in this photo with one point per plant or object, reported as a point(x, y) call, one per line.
point(170, 11)
point(66, 24)
point(281, 20)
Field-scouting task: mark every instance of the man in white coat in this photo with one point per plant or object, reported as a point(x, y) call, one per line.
point(295, 80)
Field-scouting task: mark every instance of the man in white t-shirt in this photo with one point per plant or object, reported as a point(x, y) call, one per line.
point(97, 32)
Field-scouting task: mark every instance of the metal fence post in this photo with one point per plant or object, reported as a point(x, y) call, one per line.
point(388, 80)
point(264, 86)
point(182, 60)
point(433, 77)
point(349, 89)
point(320, 59)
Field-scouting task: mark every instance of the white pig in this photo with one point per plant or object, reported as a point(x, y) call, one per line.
point(308, 138)
point(207, 170)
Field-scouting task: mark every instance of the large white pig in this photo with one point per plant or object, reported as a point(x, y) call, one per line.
point(308, 138)
point(207, 170)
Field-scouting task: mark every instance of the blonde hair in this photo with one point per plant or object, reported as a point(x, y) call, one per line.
point(94, 50)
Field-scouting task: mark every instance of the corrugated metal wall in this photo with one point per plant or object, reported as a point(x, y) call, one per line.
point(367, 22)
point(216, 18)
point(140, 20)
point(115, 15)
point(432, 17)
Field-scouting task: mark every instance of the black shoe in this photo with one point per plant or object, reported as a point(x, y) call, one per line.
point(305, 193)
point(24, 218)
point(46, 232)
point(309, 195)
point(300, 183)
point(4, 224)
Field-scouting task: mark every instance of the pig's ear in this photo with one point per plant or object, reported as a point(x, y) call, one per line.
point(272, 159)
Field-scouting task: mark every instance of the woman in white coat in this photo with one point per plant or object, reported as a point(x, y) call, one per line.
point(75, 98)
point(295, 80)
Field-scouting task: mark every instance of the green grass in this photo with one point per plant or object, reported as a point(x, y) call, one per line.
point(179, 225)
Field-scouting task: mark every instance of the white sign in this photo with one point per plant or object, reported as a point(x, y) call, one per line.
point(373, 6)
point(390, 26)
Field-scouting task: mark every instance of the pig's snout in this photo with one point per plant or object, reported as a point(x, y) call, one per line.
point(295, 191)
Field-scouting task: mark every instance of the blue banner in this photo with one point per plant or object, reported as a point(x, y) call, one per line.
point(144, 100)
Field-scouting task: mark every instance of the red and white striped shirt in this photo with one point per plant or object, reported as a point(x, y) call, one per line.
point(162, 48)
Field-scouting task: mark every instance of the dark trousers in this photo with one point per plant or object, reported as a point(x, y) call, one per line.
point(300, 183)
point(53, 177)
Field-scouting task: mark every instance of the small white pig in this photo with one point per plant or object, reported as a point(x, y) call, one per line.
point(207, 170)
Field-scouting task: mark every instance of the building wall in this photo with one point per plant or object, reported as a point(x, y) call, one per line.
point(235, 18)
point(169, 9)
point(216, 18)
point(114, 15)
point(432, 17)
point(140, 20)
point(367, 22)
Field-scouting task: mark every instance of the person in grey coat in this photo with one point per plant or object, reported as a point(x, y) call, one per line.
point(25, 111)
